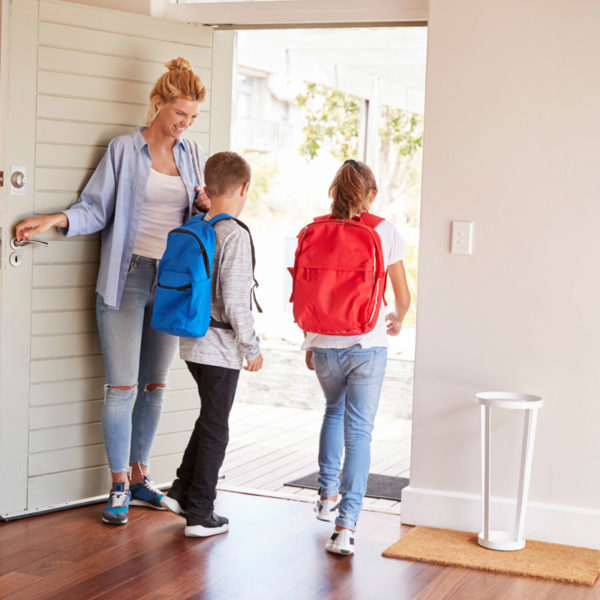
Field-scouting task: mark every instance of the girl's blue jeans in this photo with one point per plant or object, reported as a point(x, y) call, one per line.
point(134, 355)
point(351, 379)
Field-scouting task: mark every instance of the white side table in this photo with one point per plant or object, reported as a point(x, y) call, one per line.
point(506, 540)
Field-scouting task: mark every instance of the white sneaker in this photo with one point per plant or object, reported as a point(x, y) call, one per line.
point(326, 509)
point(341, 542)
point(173, 505)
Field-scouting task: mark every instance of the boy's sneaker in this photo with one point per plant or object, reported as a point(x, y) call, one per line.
point(341, 542)
point(174, 505)
point(326, 509)
point(206, 526)
point(176, 498)
point(145, 493)
point(117, 507)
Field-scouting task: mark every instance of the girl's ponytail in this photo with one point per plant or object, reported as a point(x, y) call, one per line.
point(350, 189)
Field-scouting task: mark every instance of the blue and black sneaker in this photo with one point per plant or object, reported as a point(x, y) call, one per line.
point(145, 493)
point(117, 507)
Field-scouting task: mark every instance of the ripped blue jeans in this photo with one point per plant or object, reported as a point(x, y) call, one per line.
point(134, 355)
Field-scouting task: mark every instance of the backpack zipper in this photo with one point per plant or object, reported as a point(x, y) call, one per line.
point(179, 289)
point(202, 249)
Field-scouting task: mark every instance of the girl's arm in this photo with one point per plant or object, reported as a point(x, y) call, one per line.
point(401, 298)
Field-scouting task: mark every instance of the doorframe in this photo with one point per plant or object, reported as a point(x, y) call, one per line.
point(366, 147)
point(19, 64)
point(224, 59)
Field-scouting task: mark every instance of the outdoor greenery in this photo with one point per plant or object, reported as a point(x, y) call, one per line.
point(332, 124)
point(264, 172)
point(330, 116)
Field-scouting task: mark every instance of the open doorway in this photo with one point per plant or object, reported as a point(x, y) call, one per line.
point(304, 101)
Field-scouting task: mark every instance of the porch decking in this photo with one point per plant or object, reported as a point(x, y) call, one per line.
point(270, 445)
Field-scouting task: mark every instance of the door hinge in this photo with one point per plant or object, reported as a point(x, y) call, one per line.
point(1, 178)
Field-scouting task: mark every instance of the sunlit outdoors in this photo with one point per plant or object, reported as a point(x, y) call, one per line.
point(305, 101)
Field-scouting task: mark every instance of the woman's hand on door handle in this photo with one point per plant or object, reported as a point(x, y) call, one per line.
point(36, 225)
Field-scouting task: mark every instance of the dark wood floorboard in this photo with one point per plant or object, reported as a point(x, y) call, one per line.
point(274, 550)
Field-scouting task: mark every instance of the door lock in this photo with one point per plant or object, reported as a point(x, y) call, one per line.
point(17, 179)
point(15, 259)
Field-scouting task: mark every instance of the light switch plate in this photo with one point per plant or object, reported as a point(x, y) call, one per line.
point(461, 237)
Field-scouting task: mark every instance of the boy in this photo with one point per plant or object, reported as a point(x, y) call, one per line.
point(215, 360)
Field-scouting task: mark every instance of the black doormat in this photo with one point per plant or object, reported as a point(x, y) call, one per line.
point(378, 486)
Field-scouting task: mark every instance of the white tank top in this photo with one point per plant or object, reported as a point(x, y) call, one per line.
point(165, 206)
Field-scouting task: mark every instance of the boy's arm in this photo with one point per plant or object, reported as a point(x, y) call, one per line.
point(235, 278)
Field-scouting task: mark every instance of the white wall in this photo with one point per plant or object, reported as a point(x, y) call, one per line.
point(512, 127)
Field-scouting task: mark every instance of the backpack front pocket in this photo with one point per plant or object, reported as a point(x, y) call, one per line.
point(173, 296)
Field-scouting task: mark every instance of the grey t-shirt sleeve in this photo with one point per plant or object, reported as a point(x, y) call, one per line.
point(235, 283)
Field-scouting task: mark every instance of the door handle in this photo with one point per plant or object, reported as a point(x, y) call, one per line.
point(15, 243)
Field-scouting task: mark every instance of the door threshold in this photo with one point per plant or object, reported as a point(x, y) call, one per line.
point(295, 497)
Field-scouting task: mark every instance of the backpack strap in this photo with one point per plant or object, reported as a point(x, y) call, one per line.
point(369, 219)
point(372, 221)
point(197, 161)
point(213, 222)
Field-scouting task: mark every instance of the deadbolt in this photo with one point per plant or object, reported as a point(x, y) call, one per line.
point(14, 259)
point(17, 179)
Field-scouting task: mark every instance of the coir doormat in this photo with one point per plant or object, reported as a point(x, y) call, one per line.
point(460, 549)
point(378, 486)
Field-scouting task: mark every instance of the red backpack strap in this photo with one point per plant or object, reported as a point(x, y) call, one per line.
point(323, 218)
point(367, 218)
point(370, 220)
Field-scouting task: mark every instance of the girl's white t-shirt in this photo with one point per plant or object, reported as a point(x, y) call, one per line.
point(394, 250)
point(165, 206)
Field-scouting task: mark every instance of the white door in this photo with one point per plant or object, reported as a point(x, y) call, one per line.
point(73, 77)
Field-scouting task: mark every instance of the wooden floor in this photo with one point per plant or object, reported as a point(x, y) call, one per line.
point(270, 445)
point(274, 550)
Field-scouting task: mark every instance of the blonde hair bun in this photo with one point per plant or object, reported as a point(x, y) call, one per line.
point(179, 81)
point(178, 64)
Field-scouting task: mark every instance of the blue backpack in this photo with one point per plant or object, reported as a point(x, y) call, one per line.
point(183, 291)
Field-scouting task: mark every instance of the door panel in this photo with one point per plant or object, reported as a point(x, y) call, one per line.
point(79, 76)
point(19, 45)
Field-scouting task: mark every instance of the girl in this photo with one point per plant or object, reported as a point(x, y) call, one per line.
point(350, 370)
point(143, 187)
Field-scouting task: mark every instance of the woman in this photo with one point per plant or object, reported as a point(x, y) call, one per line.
point(350, 369)
point(143, 187)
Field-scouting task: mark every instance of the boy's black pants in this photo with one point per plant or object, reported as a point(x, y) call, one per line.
point(203, 457)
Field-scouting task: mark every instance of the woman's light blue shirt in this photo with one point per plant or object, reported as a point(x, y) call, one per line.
point(112, 202)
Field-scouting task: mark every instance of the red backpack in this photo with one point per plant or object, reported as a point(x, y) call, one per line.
point(338, 275)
